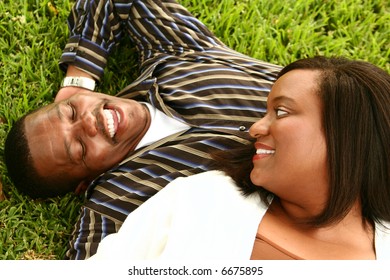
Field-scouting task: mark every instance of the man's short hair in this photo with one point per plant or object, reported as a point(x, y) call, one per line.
point(21, 169)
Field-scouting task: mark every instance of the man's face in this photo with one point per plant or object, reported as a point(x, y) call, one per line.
point(85, 135)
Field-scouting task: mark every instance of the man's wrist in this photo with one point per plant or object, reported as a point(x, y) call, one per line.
point(67, 92)
point(82, 82)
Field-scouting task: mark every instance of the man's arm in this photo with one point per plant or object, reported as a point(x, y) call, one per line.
point(95, 28)
point(90, 229)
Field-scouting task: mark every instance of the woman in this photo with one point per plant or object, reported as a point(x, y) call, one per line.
point(317, 186)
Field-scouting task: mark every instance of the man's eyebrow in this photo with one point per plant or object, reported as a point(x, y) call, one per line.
point(57, 108)
point(68, 152)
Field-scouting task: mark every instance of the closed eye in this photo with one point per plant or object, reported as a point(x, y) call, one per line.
point(72, 111)
point(83, 150)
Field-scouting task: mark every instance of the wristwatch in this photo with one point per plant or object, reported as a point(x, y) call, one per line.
point(82, 82)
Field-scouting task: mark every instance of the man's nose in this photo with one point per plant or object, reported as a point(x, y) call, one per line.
point(260, 128)
point(87, 123)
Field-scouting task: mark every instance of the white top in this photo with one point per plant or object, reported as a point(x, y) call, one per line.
point(200, 217)
point(161, 126)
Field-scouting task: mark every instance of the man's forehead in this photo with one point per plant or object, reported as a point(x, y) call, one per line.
point(43, 135)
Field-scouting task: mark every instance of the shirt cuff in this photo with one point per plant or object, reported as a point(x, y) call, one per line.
point(84, 55)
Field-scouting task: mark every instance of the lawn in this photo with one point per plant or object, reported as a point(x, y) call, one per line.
point(33, 33)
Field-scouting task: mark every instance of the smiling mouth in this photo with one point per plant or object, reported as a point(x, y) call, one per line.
point(264, 152)
point(113, 120)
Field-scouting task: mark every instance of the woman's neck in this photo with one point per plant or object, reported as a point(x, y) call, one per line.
point(352, 222)
point(350, 238)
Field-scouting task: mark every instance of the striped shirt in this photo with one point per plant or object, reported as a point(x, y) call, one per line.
point(185, 72)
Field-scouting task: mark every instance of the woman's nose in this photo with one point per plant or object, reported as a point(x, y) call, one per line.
point(260, 128)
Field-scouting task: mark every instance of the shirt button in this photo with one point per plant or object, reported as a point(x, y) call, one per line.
point(242, 128)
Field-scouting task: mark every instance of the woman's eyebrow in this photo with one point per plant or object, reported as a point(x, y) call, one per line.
point(284, 98)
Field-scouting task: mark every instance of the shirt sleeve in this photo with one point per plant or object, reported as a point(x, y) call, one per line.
point(90, 229)
point(95, 28)
point(145, 232)
point(164, 27)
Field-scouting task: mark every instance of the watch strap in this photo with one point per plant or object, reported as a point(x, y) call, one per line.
point(82, 82)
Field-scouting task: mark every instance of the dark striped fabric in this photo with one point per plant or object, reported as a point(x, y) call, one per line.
point(187, 73)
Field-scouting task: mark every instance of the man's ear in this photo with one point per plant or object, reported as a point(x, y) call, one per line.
point(82, 186)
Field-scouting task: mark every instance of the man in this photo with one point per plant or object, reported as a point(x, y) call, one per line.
point(207, 94)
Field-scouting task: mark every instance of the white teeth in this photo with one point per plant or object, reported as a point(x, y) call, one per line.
point(264, 151)
point(110, 122)
point(119, 116)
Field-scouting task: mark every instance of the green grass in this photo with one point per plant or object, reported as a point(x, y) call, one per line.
point(32, 37)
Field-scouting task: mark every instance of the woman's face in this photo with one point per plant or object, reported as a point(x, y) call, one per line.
point(290, 159)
